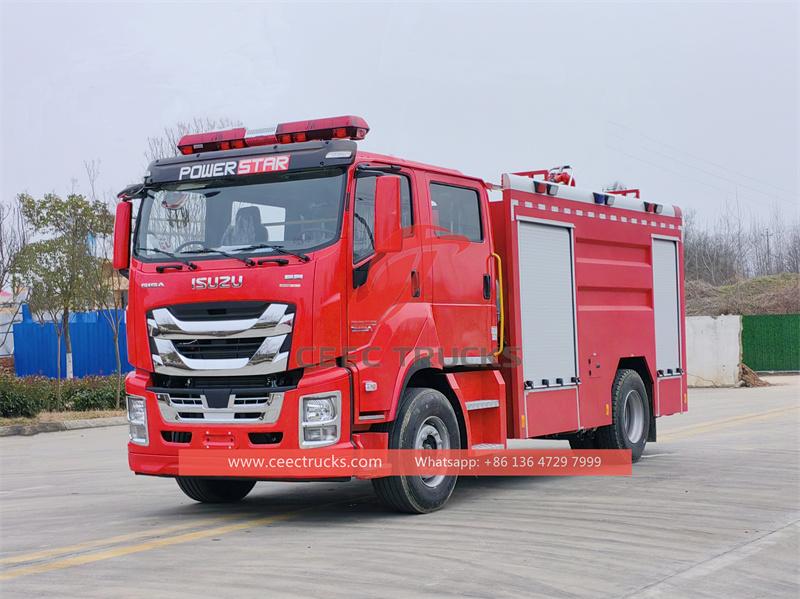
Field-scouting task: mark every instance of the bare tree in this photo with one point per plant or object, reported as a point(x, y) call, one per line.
point(107, 288)
point(13, 239)
point(108, 296)
point(166, 144)
point(743, 262)
point(711, 255)
point(792, 256)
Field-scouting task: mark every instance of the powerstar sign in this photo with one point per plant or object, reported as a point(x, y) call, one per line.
point(245, 166)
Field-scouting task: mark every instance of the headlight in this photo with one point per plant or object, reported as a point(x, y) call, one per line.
point(320, 419)
point(137, 419)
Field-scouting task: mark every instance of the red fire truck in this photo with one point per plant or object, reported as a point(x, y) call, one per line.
point(289, 291)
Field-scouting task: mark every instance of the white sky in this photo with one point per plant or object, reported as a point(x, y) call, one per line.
point(697, 104)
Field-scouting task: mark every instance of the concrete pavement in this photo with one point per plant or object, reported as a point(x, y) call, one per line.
point(712, 510)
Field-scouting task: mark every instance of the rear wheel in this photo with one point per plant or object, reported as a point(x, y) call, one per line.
point(426, 420)
point(215, 490)
point(630, 411)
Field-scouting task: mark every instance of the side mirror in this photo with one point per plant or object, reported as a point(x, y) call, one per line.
point(122, 236)
point(388, 234)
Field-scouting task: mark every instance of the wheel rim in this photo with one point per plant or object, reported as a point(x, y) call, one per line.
point(633, 417)
point(432, 435)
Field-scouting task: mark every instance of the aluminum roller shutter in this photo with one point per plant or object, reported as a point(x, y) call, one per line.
point(547, 303)
point(666, 305)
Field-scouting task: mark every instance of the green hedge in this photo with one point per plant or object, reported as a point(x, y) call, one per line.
point(27, 396)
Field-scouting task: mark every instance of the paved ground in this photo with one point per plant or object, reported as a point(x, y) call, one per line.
point(711, 511)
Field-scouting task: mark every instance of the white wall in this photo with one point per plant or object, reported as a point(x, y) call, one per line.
point(713, 348)
point(7, 319)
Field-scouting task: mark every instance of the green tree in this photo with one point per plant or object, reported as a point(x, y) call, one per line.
point(57, 269)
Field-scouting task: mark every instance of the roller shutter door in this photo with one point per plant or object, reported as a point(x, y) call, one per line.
point(547, 303)
point(666, 303)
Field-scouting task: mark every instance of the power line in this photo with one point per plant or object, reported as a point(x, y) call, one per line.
point(697, 157)
point(662, 167)
point(731, 181)
point(737, 184)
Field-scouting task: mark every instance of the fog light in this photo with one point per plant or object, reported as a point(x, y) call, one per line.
point(320, 417)
point(321, 433)
point(137, 419)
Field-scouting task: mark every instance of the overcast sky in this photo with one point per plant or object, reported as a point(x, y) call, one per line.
point(697, 104)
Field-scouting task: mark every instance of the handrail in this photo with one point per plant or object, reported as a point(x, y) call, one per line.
point(500, 332)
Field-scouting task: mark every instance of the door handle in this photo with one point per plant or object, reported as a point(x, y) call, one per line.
point(415, 290)
point(487, 287)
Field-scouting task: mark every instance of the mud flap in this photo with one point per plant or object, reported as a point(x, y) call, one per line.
point(651, 434)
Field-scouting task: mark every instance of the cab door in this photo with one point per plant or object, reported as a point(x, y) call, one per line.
point(459, 246)
point(384, 316)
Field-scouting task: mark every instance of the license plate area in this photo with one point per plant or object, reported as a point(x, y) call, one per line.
point(218, 440)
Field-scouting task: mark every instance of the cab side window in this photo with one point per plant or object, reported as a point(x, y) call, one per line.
point(364, 215)
point(456, 211)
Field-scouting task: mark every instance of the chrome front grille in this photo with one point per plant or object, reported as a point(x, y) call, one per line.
point(240, 407)
point(249, 343)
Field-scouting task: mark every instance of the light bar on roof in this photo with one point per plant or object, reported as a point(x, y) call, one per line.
point(340, 127)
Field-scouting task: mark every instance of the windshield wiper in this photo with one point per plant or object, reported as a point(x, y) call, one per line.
point(277, 248)
point(208, 250)
point(189, 263)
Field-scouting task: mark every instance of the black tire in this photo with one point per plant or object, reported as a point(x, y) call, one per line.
point(420, 409)
point(215, 490)
point(630, 410)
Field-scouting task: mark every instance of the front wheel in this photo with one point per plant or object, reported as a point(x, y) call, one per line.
point(215, 490)
point(630, 411)
point(425, 420)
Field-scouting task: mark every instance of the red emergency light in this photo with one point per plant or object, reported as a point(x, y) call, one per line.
point(340, 127)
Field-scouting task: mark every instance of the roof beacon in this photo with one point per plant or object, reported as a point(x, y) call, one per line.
point(340, 127)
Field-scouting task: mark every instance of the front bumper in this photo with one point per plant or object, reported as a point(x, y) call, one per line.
point(160, 457)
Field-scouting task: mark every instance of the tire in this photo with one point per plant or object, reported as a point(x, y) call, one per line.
point(425, 420)
point(630, 412)
point(215, 490)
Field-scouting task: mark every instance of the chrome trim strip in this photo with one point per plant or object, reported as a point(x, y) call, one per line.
point(267, 359)
point(482, 404)
point(467, 360)
point(274, 321)
point(279, 365)
point(489, 446)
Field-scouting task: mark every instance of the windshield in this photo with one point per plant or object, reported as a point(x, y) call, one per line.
point(296, 212)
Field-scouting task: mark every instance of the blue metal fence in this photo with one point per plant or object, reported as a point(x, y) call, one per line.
point(92, 346)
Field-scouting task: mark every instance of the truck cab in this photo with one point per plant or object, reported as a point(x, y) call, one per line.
point(285, 289)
